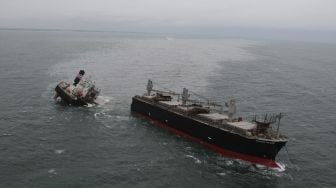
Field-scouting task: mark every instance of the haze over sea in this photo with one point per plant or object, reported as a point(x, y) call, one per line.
point(44, 143)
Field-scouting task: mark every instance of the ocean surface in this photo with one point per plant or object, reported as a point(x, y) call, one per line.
point(45, 143)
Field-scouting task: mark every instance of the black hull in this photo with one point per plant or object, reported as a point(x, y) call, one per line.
point(228, 143)
point(68, 99)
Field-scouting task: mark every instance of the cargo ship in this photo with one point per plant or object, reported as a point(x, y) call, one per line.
point(207, 123)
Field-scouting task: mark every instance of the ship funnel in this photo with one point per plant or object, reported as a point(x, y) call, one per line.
point(149, 87)
point(185, 96)
point(232, 109)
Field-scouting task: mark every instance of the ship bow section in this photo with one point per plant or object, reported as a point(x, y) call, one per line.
point(229, 143)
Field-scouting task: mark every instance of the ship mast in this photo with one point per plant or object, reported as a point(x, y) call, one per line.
point(279, 118)
point(149, 87)
point(185, 96)
point(232, 109)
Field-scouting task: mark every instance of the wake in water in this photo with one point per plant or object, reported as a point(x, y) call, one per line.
point(103, 100)
point(226, 165)
point(197, 161)
point(233, 166)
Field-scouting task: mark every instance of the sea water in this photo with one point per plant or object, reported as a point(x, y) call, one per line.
point(46, 143)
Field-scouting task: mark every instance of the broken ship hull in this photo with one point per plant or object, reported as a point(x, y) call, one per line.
point(228, 143)
point(65, 95)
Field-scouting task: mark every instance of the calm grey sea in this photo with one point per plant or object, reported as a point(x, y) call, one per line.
point(44, 143)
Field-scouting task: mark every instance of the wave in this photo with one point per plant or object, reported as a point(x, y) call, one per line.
point(197, 161)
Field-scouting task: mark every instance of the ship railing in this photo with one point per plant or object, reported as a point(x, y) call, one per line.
point(208, 103)
point(202, 99)
point(269, 134)
point(168, 92)
point(274, 134)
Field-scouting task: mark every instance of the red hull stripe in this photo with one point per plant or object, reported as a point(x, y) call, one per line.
point(256, 160)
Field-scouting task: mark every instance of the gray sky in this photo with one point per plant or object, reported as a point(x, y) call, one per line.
point(210, 16)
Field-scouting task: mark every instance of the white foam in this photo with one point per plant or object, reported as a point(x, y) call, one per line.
point(102, 115)
point(103, 100)
point(196, 160)
point(59, 151)
point(90, 105)
point(122, 118)
point(229, 162)
point(52, 171)
point(281, 167)
point(269, 170)
point(222, 174)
